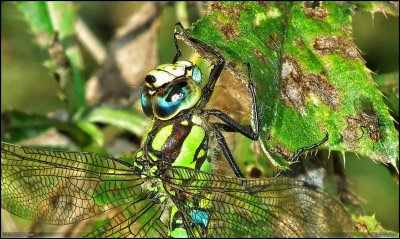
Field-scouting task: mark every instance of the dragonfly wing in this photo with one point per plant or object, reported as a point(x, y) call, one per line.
point(139, 219)
point(220, 206)
point(59, 187)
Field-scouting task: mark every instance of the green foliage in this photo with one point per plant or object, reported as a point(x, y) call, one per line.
point(309, 74)
point(53, 26)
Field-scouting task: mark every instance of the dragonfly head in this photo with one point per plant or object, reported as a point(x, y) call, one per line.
point(171, 88)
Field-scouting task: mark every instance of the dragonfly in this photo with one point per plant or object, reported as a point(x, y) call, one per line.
point(168, 188)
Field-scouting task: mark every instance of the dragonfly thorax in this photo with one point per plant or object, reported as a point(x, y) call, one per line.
point(182, 141)
point(171, 88)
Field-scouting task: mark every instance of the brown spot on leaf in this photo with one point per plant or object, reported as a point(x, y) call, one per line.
point(336, 44)
point(231, 11)
point(229, 30)
point(260, 55)
point(282, 6)
point(272, 42)
point(296, 85)
point(314, 10)
point(350, 134)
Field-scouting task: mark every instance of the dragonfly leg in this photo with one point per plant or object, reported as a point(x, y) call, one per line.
point(302, 150)
point(178, 50)
point(251, 132)
point(215, 72)
point(230, 125)
point(233, 126)
point(227, 153)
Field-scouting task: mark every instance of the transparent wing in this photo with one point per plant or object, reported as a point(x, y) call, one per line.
point(59, 187)
point(141, 218)
point(219, 206)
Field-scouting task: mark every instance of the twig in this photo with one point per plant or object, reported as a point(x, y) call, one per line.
point(89, 40)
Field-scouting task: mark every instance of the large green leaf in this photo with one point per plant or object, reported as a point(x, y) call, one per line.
point(309, 75)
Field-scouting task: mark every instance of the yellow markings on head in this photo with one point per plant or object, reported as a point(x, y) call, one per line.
point(166, 73)
point(185, 122)
point(161, 137)
point(162, 77)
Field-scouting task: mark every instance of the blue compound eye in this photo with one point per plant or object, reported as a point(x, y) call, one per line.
point(146, 104)
point(177, 93)
point(196, 75)
point(169, 103)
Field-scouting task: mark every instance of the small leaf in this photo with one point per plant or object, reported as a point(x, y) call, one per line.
point(52, 23)
point(129, 120)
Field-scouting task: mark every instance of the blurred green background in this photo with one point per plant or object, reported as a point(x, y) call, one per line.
point(28, 86)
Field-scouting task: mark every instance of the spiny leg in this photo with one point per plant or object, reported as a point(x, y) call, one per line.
point(178, 50)
point(302, 150)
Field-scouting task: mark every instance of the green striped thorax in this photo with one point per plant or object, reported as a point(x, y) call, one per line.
point(173, 139)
